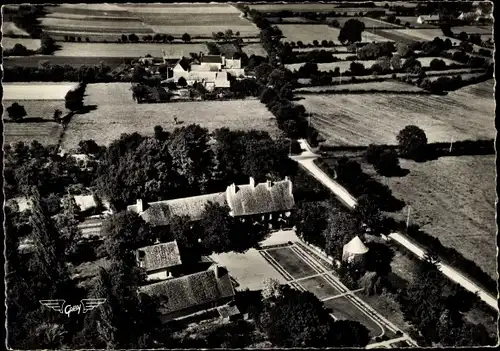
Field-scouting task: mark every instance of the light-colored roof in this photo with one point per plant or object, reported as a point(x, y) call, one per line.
point(228, 311)
point(355, 246)
point(191, 290)
point(249, 200)
point(85, 202)
point(160, 256)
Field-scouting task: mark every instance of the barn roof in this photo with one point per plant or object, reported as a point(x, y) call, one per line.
point(263, 198)
point(159, 213)
point(211, 59)
point(190, 290)
point(160, 256)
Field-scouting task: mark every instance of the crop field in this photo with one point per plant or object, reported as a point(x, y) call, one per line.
point(36, 91)
point(117, 113)
point(299, 20)
point(453, 199)
point(91, 21)
point(9, 28)
point(128, 50)
point(31, 44)
point(423, 34)
point(362, 119)
point(47, 133)
point(395, 86)
point(254, 49)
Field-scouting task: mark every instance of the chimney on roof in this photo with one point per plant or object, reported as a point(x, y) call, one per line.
point(290, 190)
point(232, 189)
point(252, 182)
point(139, 206)
point(269, 184)
point(215, 268)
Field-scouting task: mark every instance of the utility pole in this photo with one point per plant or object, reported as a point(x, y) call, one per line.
point(309, 120)
point(451, 144)
point(408, 218)
point(340, 78)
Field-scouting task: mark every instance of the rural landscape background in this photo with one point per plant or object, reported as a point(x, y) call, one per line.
point(375, 120)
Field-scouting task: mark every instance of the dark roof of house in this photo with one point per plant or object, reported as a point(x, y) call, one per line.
point(211, 59)
point(249, 200)
point(160, 256)
point(191, 290)
point(159, 213)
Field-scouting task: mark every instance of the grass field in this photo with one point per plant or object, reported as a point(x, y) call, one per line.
point(320, 287)
point(128, 50)
point(117, 113)
point(295, 7)
point(36, 91)
point(361, 119)
point(395, 86)
point(307, 33)
point(473, 29)
point(345, 65)
point(423, 34)
point(31, 44)
point(74, 61)
point(342, 308)
point(254, 49)
point(9, 28)
point(246, 30)
point(453, 199)
point(37, 109)
point(180, 8)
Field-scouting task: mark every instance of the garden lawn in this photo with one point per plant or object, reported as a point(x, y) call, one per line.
point(343, 309)
point(320, 287)
point(128, 50)
point(117, 113)
point(362, 119)
point(291, 262)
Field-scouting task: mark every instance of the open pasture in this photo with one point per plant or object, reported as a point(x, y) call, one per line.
point(180, 8)
point(369, 22)
point(486, 30)
point(128, 50)
point(74, 61)
point(9, 28)
point(307, 33)
point(362, 119)
point(205, 31)
point(295, 7)
point(94, 25)
point(37, 109)
point(89, 9)
point(254, 49)
point(36, 91)
point(385, 86)
point(31, 44)
point(422, 34)
point(117, 113)
point(453, 199)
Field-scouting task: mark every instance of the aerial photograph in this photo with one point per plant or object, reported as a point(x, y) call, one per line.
point(249, 175)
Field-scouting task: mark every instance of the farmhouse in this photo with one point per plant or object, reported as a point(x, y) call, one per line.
point(193, 293)
point(428, 19)
point(161, 261)
point(267, 203)
point(212, 71)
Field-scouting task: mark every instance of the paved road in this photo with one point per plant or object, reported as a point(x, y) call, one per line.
point(306, 160)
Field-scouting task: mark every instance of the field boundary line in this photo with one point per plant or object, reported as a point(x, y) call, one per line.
point(307, 261)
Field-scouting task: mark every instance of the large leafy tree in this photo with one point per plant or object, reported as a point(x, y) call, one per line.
point(125, 232)
point(312, 220)
point(412, 142)
point(191, 155)
point(351, 31)
point(16, 112)
point(342, 227)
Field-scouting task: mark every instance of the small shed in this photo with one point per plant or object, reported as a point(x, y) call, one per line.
point(354, 250)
